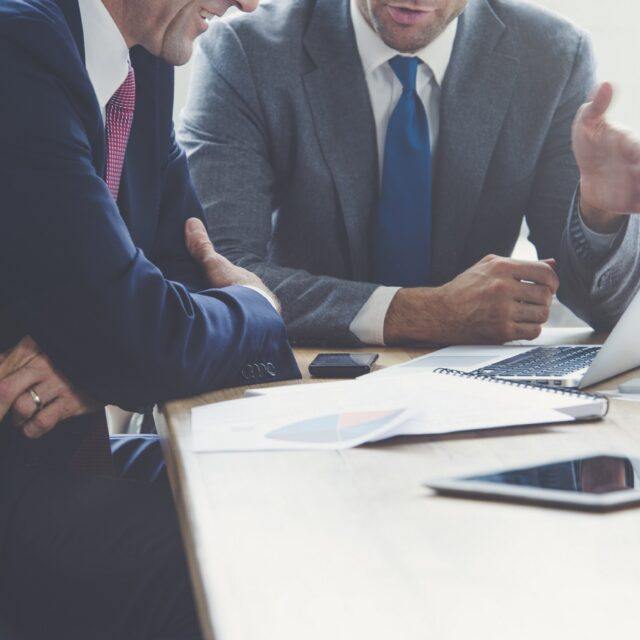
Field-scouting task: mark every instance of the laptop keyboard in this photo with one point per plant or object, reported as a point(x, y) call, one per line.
point(543, 362)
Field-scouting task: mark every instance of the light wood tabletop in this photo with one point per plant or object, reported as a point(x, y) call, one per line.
point(350, 545)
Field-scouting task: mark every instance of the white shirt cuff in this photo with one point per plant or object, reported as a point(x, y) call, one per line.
point(264, 294)
point(600, 243)
point(368, 325)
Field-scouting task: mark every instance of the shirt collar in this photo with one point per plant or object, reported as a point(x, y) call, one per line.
point(374, 52)
point(106, 52)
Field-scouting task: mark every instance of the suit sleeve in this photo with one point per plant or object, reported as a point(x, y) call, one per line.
point(603, 285)
point(596, 287)
point(228, 145)
point(179, 202)
point(105, 314)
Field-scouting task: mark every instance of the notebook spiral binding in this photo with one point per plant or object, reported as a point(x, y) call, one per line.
point(527, 385)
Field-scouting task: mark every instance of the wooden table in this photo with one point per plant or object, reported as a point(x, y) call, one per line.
point(349, 545)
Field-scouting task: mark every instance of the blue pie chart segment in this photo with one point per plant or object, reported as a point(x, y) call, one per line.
point(335, 427)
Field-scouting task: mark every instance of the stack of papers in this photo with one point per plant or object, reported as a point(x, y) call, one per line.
point(346, 414)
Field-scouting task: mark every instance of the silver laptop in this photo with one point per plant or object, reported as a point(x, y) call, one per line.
point(576, 366)
point(560, 366)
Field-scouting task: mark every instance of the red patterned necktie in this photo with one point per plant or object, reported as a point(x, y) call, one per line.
point(119, 117)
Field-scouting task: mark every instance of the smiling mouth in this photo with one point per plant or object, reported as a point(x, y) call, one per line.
point(207, 15)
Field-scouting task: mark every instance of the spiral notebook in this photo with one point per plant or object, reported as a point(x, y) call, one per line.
point(456, 401)
point(341, 415)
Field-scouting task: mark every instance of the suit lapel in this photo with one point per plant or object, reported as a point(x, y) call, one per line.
point(71, 12)
point(139, 206)
point(476, 94)
point(341, 108)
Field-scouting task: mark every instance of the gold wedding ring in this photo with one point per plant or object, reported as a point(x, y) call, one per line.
point(36, 399)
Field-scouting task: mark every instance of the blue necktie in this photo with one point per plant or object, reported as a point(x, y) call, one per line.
point(402, 231)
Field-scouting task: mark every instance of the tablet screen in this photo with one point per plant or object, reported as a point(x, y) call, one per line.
point(596, 475)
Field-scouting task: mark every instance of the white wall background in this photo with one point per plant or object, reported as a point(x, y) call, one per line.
point(615, 28)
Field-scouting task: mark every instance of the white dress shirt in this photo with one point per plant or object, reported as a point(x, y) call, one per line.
point(385, 90)
point(106, 52)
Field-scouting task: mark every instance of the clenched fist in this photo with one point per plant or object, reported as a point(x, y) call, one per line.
point(493, 302)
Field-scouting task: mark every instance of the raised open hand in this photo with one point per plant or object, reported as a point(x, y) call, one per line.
point(609, 160)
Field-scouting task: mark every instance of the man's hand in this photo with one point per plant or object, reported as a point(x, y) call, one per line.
point(495, 301)
point(219, 271)
point(24, 369)
point(609, 161)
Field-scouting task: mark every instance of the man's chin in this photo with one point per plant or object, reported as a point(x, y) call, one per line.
point(409, 38)
point(178, 54)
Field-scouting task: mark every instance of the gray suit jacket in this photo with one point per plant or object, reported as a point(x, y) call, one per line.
point(282, 147)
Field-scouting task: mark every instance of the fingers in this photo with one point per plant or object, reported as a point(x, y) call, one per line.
point(630, 147)
point(59, 400)
point(198, 243)
point(600, 102)
point(531, 304)
point(511, 330)
point(527, 331)
point(218, 270)
point(46, 419)
point(540, 272)
point(532, 293)
point(21, 355)
point(522, 293)
point(537, 272)
point(14, 385)
point(530, 313)
point(24, 408)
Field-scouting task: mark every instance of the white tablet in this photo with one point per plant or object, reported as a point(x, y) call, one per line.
point(596, 483)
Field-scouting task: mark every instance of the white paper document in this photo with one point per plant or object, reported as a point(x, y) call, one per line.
point(341, 415)
point(266, 423)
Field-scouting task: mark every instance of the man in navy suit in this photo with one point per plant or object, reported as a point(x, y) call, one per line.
point(102, 303)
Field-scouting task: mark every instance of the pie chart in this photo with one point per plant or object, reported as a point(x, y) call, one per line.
point(335, 427)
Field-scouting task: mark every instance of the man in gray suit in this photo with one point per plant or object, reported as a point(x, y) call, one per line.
point(369, 159)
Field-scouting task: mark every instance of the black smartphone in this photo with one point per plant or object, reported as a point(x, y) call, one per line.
point(342, 365)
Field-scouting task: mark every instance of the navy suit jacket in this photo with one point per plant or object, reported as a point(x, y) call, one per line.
point(108, 290)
